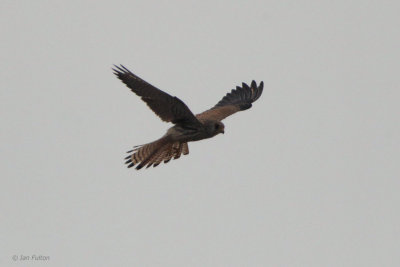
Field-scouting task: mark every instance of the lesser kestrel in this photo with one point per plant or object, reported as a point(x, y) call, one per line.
point(188, 127)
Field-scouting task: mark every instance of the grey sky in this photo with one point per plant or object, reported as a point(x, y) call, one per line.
point(308, 177)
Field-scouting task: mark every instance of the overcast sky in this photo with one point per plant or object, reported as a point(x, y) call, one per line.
point(309, 176)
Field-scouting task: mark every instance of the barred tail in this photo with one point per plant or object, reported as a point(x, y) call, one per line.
point(154, 153)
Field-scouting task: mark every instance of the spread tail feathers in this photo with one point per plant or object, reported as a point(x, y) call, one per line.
point(154, 153)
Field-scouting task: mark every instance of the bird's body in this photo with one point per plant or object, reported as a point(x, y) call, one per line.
point(188, 127)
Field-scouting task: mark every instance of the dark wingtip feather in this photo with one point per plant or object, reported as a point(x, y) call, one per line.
point(242, 96)
point(259, 91)
point(120, 71)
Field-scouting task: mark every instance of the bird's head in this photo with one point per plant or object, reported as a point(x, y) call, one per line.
point(215, 127)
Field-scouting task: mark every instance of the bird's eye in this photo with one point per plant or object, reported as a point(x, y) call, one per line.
point(216, 126)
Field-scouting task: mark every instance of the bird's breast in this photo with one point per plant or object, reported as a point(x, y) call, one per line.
point(182, 134)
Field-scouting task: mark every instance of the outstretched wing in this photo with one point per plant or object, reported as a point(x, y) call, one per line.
point(168, 108)
point(238, 99)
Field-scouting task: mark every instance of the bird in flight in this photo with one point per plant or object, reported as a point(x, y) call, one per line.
point(187, 126)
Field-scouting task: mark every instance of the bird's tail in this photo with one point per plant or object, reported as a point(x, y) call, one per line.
point(154, 153)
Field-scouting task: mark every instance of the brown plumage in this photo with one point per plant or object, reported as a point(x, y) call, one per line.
point(188, 127)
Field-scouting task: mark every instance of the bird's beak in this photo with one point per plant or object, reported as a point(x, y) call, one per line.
point(222, 131)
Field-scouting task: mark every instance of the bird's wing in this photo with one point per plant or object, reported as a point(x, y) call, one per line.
point(238, 99)
point(168, 108)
